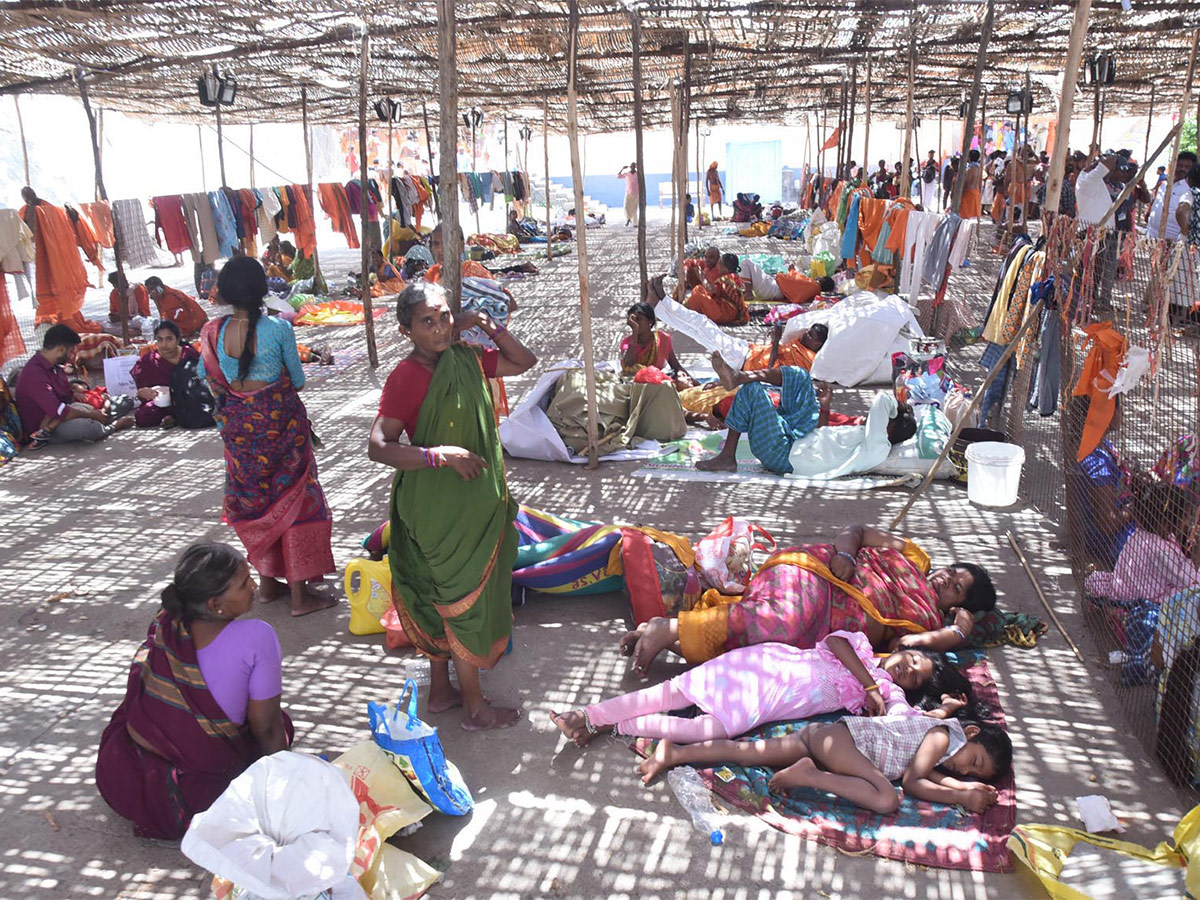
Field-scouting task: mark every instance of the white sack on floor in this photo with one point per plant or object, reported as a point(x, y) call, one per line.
point(864, 331)
point(528, 433)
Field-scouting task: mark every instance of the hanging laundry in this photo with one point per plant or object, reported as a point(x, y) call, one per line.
point(129, 222)
point(169, 223)
point(333, 200)
point(223, 223)
point(100, 215)
point(1108, 347)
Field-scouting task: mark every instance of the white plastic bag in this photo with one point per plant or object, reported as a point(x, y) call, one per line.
point(725, 558)
point(285, 829)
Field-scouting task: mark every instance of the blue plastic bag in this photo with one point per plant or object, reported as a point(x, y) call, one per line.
point(416, 749)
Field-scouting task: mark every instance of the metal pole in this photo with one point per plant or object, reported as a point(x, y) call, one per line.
point(103, 194)
point(448, 169)
point(585, 306)
point(985, 35)
point(364, 199)
point(635, 24)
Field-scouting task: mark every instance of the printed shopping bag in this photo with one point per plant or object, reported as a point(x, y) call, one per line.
point(416, 749)
point(725, 558)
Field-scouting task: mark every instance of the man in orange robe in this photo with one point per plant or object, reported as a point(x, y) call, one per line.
point(62, 280)
point(176, 306)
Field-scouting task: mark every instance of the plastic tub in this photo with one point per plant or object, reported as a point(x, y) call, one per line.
point(967, 437)
point(994, 473)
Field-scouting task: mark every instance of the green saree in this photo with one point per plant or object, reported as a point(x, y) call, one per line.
point(453, 542)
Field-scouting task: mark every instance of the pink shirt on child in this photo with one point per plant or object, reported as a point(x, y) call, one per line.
point(1149, 568)
point(777, 682)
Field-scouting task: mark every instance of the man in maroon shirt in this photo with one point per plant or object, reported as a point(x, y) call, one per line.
point(50, 409)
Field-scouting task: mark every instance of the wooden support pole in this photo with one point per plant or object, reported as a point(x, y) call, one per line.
point(437, 202)
point(1184, 103)
point(220, 138)
point(581, 254)
point(448, 164)
point(475, 167)
point(853, 113)
point(387, 188)
point(319, 286)
point(103, 195)
point(635, 25)
point(252, 155)
point(1096, 112)
point(867, 122)
point(1149, 122)
point(546, 148)
point(506, 171)
point(906, 164)
point(697, 197)
point(673, 88)
point(1066, 107)
point(985, 36)
point(685, 112)
point(823, 134)
point(841, 130)
point(21, 129)
point(364, 198)
point(203, 176)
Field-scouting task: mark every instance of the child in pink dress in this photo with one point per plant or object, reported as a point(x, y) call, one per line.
point(774, 682)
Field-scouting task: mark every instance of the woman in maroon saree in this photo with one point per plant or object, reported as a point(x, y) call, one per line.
point(272, 496)
point(153, 371)
point(171, 748)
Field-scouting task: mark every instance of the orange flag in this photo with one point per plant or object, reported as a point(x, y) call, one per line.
point(833, 139)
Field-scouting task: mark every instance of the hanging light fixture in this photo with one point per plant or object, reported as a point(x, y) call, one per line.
point(209, 88)
point(1019, 103)
point(387, 110)
point(525, 133)
point(228, 92)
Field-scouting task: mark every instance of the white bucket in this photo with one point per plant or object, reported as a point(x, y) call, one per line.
point(994, 473)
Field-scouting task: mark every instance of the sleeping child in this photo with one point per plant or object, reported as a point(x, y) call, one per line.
point(772, 682)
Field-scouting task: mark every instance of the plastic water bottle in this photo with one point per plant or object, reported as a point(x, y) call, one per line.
point(695, 797)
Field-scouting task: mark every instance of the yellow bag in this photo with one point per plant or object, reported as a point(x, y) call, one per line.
point(1045, 848)
point(387, 803)
point(368, 586)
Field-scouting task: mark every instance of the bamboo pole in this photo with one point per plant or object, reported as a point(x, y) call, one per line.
point(671, 239)
point(635, 25)
point(841, 130)
point(867, 121)
point(21, 129)
point(853, 113)
point(437, 202)
point(985, 35)
point(506, 171)
point(1184, 103)
point(319, 286)
point(448, 164)
point(1149, 122)
point(906, 165)
point(585, 303)
point(387, 238)
point(1066, 107)
point(200, 140)
point(103, 194)
point(364, 199)
point(699, 188)
point(220, 137)
point(252, 155)
point(976, 401)
point(1096, 111)
point(1012, 542)
point(475, 168)
point(546, 147)
point(685, 111)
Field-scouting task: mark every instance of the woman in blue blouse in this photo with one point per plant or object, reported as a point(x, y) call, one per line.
point(272, 496)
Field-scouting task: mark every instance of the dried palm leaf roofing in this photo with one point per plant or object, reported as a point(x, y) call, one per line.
point(768, 61)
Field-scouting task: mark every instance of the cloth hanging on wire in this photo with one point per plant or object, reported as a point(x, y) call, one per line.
point(129, 223)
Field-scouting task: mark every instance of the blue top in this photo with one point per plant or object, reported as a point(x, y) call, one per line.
point(1101, 468)
point(274, 348)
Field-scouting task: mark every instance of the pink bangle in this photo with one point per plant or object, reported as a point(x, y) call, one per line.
point(433, 457)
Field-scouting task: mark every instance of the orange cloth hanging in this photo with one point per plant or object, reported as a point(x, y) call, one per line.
point(86, 238)
point(337, 206)
point(306, 229)
point(62, 280)
point(100, 214)
point(1108, 348)
point(899, 221)
point(870, 220)
point(12, 345)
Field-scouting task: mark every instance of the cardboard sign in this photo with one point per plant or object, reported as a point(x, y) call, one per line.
point(118, 375)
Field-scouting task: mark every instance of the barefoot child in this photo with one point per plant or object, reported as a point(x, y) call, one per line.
point(775, 682)
point(941, 761)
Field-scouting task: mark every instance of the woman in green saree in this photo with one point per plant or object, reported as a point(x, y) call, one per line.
point(452, 536)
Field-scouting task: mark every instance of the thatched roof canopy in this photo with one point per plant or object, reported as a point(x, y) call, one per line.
point(763, 60)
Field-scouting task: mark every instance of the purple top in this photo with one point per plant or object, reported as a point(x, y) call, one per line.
point(42, 392)
point(154, 371)
point(243, 663)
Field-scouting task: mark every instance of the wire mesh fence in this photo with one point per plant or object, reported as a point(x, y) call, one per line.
point(1115, 468)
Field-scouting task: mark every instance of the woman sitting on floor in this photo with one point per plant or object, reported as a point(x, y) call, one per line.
point(645, 347)
point(724, 299)
point(152, 374)
point(866, 580)
point(744, 688)
point(202, 701)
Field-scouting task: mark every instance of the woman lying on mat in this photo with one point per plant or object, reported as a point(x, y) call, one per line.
point(202, 701)
point(749, 686)
point(859, 758)
point(867, 580)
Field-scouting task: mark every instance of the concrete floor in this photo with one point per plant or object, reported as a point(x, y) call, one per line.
point(91, 534)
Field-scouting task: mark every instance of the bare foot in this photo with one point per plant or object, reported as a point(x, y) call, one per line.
point(312, 601)
point(490, 718)
point(654, 640)
point(442, 700)
point(718, 463)
point(270, 589)
point(799, 774)
point(629, 640)
point(653, 766)
point(729, 378)
point(124, 422)
point(573, 725)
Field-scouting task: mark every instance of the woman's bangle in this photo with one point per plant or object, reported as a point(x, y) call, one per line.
point(871, 687)
point(433, 457)
point(497, 331)
point(850, 556)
